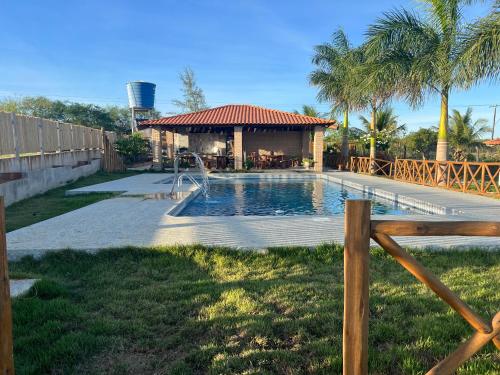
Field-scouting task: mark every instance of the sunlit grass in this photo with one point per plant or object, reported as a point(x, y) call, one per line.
point(193, 310)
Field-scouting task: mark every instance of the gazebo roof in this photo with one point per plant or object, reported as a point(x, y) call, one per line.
point(240, 114)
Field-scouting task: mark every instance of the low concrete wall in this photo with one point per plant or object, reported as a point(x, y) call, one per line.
point(42, 174)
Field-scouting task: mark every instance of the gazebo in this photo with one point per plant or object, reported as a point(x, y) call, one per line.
point(240, 132)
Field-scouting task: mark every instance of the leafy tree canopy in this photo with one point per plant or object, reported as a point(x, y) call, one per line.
point(111, 118)
point(193, 96)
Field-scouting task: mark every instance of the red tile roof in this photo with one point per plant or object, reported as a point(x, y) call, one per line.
point(239, 114)
point(492, 142)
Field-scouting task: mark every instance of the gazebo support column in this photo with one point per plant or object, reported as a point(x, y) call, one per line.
point(318, 148)
point(238, 147)
point(169, 139)
point(306, 140)
point(156, 148)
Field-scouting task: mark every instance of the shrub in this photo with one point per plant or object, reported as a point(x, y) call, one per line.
point(132, 148)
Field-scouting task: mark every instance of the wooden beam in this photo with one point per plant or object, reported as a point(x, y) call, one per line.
point(430, 228)
point(6, 346)
point(356, 311)
point(429, 279)
point(466, 350)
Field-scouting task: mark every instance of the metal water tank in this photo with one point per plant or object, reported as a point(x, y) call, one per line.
point(141, 95)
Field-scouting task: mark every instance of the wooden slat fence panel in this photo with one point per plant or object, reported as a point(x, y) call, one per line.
point(28, 135)
point(33, 135)
point(49, 131)
point(78, 137)
point(111, 161)
point(66, 140)
point(7, 147)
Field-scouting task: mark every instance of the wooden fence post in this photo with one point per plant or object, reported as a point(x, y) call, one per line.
point(40, 141)
point(356, 310)
point(15, 135)
point(6, 343)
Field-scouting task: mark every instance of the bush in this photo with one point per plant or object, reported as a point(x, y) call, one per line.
point(248, 164)
point(132, 148)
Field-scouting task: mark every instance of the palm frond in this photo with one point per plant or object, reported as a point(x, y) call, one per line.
point(478, 54)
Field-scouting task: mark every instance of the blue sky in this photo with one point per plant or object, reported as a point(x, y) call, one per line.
point(242, 51)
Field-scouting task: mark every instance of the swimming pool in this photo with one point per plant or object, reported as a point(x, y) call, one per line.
point(281, 197)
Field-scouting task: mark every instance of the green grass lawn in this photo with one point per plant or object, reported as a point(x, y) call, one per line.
point(193, 310)
point(54, 202)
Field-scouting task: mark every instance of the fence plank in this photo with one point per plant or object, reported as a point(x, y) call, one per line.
point(356, 259)
point(7, 145)
point(429, 228)
point(426, 277)
point(6, 343)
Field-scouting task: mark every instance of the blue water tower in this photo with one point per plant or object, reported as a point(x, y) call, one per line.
point(141, 100)
point(141, 95)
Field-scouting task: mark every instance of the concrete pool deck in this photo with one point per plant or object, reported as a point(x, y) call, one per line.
point(137, 219)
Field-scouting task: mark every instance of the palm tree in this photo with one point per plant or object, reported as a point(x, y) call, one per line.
point(376, 88)
point(337, 78)
point(385, 119)
point(464, 133)
point(309, 110)
point(436, 52)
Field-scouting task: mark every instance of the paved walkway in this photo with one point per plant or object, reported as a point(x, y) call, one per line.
point(140, 221)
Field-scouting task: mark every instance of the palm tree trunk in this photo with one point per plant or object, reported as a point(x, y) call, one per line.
point(373, 139)
point(442, 143)
point(345, 139)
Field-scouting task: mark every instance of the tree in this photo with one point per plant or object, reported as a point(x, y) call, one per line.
point(309, 110)
point(193, 97)
point(132, 147)
point(385, 119)
point(110, 118)
point(386, 128)
point(464, 133)
point(436, 52)
point(421, 143)
point(336, 79)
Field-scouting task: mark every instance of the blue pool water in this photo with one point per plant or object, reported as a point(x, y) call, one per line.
point(283, 197)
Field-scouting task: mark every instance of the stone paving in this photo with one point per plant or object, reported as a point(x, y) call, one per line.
point(140, 220)
point(19, 287)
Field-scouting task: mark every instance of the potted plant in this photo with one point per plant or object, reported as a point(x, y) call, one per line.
point(307, 163)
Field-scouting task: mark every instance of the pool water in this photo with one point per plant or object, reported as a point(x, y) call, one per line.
point(283, 198)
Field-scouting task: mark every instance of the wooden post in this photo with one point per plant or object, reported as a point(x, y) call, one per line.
point(356, 259)
point(6, 343)
point(58, 128)
point(15, 135)
point(40, 142)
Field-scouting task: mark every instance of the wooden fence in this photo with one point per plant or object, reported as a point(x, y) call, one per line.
point(365, 165)
point(468, 177)
point(25, 135)
point(111, 161)
point(22, 136)
point(359, 228)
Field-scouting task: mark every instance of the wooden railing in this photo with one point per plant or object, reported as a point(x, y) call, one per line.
point(468, 177)
point(359, 228)
point(481, 178)
point(6, 343)
point(365, 165)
